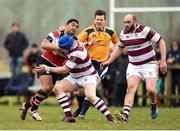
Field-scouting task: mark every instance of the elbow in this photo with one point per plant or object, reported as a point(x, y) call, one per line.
point(43, 45)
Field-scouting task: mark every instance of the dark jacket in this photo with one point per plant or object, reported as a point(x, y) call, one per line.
point(176, 56)
point(16, 43)
point(32, 59)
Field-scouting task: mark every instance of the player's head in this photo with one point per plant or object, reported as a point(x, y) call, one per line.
point(66, 42)
point(130, 22)
point(72, 26)
point(100, 19)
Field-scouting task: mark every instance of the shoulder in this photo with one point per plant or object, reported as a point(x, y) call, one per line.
point(89, 29)
point(109, 30)
point(122, 33)
point(54, 34)
point(144, 28)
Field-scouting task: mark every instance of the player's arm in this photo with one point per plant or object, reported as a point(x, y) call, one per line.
point(115, 53)
point(47, 45)
point(156, 38)
point(59, 70)
point(163, 65)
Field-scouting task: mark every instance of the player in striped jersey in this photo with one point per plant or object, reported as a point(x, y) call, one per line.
point(97, 39)
point(138, 40)
point(82, 76)
point(52, 56)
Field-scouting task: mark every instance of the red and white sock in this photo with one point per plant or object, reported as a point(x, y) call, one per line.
point(63, 101)
point(100, 105)
point(126, 110)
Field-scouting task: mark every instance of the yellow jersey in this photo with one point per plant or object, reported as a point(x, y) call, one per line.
point(100, 50)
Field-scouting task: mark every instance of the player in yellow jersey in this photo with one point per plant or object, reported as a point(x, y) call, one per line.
point(97, 39)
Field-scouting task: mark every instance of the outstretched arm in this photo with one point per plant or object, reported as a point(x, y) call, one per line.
point(47, 45)
point(163, 64)
point(116, 52)
point(58, 70)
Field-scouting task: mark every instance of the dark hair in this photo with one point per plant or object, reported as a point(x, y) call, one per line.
point(34, 45)
point(100, 12)
point(15, 24)
point(72, 20)
point(178, 44)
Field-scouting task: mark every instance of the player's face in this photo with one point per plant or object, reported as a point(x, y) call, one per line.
point(99, 21)
point(72, 28)
point(129, 24)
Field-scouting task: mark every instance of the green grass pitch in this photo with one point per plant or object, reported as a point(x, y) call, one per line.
point(169, 118)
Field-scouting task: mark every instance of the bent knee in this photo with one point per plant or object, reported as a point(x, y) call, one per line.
point(48, 88)
point(58, 90)
point(91, 97)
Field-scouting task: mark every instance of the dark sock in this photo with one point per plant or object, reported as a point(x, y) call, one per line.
point(85, 107)
point(29, 104)
point(80, 100)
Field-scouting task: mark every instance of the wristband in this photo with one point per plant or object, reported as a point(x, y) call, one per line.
point(47, 68)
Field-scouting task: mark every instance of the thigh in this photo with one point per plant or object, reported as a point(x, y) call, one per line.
point(90, 89)
point(65, 86)
point(151, 83)
point(46, 82)
point(133, 82)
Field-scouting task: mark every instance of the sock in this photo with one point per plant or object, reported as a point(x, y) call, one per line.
point(80, 100)
point(63, 101)
point(100, 105)
point(153, 104)
point(85, 106)
point(37, 99)
point(126, 110)
point(29, 103)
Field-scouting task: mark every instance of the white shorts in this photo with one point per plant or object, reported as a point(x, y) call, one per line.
point(143, 71)
point(80, 82)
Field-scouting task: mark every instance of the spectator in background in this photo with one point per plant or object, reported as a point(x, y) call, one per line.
point(120, 81)
point(32, 59)
point(173, 57)
point(15, 43)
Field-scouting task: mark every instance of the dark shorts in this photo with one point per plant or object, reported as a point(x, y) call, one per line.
point(97, 67)
point(54, 76)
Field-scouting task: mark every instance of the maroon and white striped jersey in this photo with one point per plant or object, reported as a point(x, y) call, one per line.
point(79, 62)
point(57, 59)
point(139, 44)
